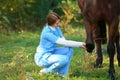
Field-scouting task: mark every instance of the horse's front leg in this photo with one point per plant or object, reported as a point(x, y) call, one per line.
point(99, 58)
point(89, 33)
point(111, 51)
point(118, 46)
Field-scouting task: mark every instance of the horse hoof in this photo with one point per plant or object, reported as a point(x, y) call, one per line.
point(112, 75)
point(112, 78)
point(98, 66)
point(90, 51)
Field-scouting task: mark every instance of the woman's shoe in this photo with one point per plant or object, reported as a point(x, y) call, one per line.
point(43, 71)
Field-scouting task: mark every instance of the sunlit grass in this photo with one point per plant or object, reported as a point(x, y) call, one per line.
point(17, 59)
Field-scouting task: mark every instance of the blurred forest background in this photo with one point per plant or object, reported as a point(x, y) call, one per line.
point(22, 15)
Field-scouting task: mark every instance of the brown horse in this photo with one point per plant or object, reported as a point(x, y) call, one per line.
point(97, 14)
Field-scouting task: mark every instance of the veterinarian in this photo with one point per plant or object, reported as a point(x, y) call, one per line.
point(48, 55)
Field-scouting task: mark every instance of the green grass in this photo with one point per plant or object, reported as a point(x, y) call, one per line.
point(17, 59)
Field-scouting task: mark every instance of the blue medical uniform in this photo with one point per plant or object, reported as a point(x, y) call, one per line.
point(50, 56)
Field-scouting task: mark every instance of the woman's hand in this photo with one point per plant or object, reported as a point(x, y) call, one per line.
point(83, 46)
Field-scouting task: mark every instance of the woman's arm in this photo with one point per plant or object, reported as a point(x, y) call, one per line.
point(69, 43)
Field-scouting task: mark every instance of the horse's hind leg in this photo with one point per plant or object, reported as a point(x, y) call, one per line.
point(113, 28)
point(118, 46)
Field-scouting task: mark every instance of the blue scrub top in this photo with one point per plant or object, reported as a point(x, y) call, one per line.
point(48, 40)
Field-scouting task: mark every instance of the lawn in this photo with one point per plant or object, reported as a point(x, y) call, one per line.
point(17, 59)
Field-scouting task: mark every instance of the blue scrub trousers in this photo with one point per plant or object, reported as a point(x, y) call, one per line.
point(58, 61)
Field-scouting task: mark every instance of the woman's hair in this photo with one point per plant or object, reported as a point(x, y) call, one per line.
point(52, 18)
